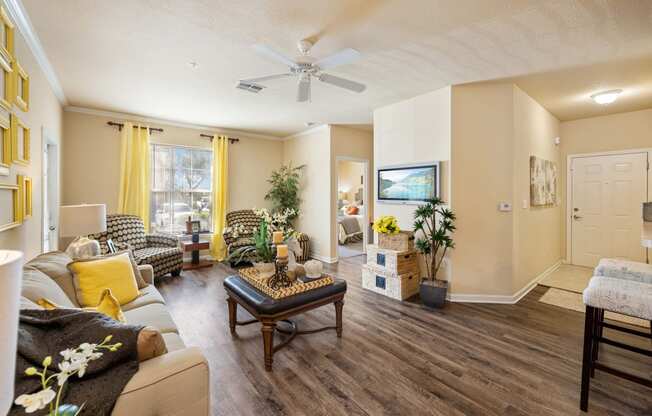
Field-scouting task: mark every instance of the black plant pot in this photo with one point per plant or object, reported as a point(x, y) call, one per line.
point(433, 293)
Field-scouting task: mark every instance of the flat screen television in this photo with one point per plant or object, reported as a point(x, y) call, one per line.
point(408, 183)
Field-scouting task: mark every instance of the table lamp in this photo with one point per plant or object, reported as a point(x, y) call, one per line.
point(11, 273)
point(79, 221)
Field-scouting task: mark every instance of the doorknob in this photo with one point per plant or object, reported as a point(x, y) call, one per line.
point(577, 217)
point(52, 228)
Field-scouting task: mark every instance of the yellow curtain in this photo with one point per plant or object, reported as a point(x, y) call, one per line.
point(220, 188)
point(134, 172)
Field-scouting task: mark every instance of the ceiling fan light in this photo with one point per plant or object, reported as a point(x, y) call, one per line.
point(606, 97)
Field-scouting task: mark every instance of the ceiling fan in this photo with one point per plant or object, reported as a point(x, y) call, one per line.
point(305, 67)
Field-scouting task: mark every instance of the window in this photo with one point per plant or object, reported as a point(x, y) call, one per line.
point(181, 188)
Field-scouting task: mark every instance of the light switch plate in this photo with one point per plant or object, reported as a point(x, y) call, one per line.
point(504, 206)
point(525, 204)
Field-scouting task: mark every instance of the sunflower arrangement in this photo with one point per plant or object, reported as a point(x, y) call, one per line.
point(386, 224)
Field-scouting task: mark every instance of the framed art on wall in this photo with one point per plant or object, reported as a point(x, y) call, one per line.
point(6, 82)
point(20, 141)
point(9, 207)
point(5, 146)
point(21, 86)
point(26, 196)
point(6, 35)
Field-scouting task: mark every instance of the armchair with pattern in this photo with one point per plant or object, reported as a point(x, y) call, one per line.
point(159, 250)
point(239, 233)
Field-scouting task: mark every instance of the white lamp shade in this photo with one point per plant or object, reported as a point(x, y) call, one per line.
point(77, 220)
point(11, 274)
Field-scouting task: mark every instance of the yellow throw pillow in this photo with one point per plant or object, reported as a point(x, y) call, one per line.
point(92, 276)
point(108, 305)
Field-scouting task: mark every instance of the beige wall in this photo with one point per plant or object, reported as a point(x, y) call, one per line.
point(44, 113)
point(414, 131)
point(537, 245)
point(614, 132)
point(312, 148)
point(482, 156)
point(92, 161)
point(348, 179)
point(349, 143)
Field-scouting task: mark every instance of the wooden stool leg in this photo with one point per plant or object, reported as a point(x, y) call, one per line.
point(233, 314)
point(587, 361)
point(597, 333)
point(268, 343)
point(338, 317)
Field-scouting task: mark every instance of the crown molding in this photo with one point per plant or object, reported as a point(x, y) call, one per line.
point(307, 131)
point(21, 19)
point(152, 120)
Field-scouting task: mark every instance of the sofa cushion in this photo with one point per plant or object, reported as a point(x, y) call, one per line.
point(37, 285)
point(154, 255)
point(28, 304)
point(173, 341)
point(54, 264)
point(154, 314)
point(149, 294)
point(93, 275)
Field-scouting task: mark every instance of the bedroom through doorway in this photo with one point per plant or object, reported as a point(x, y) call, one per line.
point(352, 219)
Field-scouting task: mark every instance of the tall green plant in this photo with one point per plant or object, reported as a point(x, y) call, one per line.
point(284, 192)
point(436, 222)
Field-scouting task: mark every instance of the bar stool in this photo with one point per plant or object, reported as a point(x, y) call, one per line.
point(615, 294)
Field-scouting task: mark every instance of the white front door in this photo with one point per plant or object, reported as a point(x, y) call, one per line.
point(607, 196)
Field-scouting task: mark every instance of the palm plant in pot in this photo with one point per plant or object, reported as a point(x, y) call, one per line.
point(435, 223)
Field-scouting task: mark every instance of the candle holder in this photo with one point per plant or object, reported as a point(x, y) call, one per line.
point(280, 278)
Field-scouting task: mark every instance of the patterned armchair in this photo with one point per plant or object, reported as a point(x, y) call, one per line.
point(159, 250)
point(239, 233)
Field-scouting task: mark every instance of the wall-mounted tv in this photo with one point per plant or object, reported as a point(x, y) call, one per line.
point(408, 183)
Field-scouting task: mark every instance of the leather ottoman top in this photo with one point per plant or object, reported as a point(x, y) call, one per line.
point(264, 305)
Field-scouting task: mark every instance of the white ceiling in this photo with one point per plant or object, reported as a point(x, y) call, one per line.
point(132, 55)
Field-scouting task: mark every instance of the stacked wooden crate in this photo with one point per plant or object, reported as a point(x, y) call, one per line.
point(391, 273)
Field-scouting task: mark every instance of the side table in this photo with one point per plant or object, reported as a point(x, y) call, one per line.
point(194, 248)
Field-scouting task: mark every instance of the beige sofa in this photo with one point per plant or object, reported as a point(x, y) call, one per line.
point(176, 383)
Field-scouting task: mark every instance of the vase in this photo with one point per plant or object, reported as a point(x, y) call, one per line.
point(265, 269)
point(433, 293)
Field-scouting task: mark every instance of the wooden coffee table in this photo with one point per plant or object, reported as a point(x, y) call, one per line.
point(270, 311)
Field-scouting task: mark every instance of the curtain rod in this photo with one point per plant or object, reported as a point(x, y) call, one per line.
point(231, 139)
point(121, 125)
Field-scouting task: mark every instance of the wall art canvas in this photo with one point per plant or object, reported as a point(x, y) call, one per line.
point(543, 182)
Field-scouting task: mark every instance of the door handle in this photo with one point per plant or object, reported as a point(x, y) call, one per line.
point(577, 217)
point(52, 228)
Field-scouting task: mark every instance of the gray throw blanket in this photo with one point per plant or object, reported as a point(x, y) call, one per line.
point(351, 225)
point(46, 333)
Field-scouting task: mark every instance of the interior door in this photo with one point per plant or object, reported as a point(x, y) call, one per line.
point(607, 193)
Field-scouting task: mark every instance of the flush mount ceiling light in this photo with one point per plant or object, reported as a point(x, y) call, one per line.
point(193, 65)
point(606, 97)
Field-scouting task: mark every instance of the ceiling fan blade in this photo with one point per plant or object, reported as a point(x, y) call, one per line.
point(267, 78)
point(342, 57)
point(273, 54)
point(342, 83)
point(303, 90)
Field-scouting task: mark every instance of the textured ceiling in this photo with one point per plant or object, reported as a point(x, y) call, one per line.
point(132, 55)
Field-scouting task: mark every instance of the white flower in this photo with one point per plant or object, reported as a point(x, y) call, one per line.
point(36, 401)
point(67, 353)
point(62, 377)
point(87, 348)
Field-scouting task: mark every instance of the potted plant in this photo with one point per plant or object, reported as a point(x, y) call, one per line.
point(436, 223)
point(284, 192)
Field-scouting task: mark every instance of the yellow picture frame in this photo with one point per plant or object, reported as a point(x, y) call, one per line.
point(6, 35)
point(5, 146)
point(27, 189)
point(16, 219)
point(20, 89)
point(6, 97)
point(16, 125)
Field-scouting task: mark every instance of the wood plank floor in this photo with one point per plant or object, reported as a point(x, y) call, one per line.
point(402, 359)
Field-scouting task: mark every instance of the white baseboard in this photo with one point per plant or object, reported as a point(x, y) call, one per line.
point(506, 299)
point(324, 258)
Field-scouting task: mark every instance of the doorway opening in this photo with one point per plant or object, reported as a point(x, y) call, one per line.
point(50, 192)
point(352, 207)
